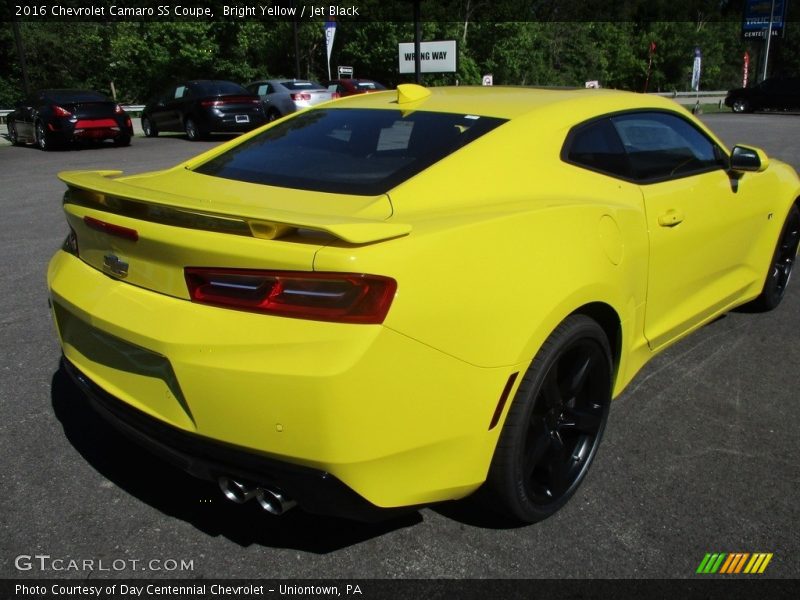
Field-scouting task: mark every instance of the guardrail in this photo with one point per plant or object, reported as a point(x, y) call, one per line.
point(690, 95)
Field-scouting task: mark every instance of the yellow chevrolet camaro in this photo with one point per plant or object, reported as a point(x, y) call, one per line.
point(399, 298)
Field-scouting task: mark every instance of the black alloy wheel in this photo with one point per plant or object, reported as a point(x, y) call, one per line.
point(41, 136)
point(192, 130)
point(783, 259)
point(149, 128)
point(740, 105)
point(555, 422)
point(272, 115)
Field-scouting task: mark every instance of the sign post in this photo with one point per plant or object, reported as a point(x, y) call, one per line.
point(769, 37)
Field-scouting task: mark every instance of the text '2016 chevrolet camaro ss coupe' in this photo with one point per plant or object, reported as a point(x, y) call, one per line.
point(398, 298)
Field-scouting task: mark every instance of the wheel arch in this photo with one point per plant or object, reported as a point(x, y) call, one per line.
point(609, 321)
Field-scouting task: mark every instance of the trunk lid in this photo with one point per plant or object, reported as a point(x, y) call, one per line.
point(141, 230)
point(239, 104)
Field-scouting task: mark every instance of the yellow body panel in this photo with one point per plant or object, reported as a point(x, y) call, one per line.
point(491, 248)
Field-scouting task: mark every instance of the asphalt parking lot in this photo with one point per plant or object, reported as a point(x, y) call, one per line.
point(701, 453)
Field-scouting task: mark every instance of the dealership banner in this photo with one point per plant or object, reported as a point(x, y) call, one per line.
point(696, 66)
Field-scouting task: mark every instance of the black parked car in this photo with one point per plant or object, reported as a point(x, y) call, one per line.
point(777, 93)
point(201, 107)
point(50, 118)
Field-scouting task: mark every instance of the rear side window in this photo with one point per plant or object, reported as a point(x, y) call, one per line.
point(349, 151)
point(597, 146)
point(662, 146)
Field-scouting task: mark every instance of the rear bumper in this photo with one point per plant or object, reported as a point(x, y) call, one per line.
point(316, 491)
point(90, 129)
point(227, 122)
point(394, 420)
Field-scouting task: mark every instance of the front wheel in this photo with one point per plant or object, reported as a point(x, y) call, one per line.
point(555, 422)
point(13, 137)
point(780, 269)
point(740, 105)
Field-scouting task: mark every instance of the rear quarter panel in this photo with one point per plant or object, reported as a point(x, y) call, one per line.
point(507, 241)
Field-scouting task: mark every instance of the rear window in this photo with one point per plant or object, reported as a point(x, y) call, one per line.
point(348, 151)
point(301, 85)
point(369, 85)
point(75, 96)
point(218, 88)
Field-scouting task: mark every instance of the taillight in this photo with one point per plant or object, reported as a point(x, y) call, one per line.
point(231, 100)
point(338, 297)
point(61, 112)
point(71, 243)
point(118, 109)
point(300, 96)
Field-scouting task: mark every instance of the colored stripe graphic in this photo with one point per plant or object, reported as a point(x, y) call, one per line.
point(732, 563)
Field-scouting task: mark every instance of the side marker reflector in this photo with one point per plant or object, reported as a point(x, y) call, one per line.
point(503, 399)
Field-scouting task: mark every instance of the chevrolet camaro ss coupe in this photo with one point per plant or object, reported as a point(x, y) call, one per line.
point(399, 298)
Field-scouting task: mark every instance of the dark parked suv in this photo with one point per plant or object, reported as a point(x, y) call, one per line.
point(777, 93)
point(202, 107)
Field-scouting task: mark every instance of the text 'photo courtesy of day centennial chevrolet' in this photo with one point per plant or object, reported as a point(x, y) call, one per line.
point(404, 297)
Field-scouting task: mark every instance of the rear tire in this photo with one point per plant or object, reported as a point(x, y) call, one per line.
point(555, 422)
point(273, 115)
point(193, 132)
point(44, 140)
point(122, 140)
point(149, 127)
point(780, 269)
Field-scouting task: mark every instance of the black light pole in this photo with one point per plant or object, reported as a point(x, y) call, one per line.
point(417, 40)
point(296, 45)
point(21, 52)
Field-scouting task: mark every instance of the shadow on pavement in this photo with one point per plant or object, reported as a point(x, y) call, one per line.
point(195, 501)
point(476, 511)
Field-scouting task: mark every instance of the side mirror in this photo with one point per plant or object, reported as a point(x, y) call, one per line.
point(748, 158)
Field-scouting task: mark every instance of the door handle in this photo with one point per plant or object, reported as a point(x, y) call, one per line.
point(671, 218)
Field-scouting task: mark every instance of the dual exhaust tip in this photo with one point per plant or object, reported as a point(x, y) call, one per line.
point(272, 500)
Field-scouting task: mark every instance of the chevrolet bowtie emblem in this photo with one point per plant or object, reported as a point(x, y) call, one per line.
point(115, 265)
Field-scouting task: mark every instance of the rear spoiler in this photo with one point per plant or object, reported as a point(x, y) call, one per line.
point(100, 190)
